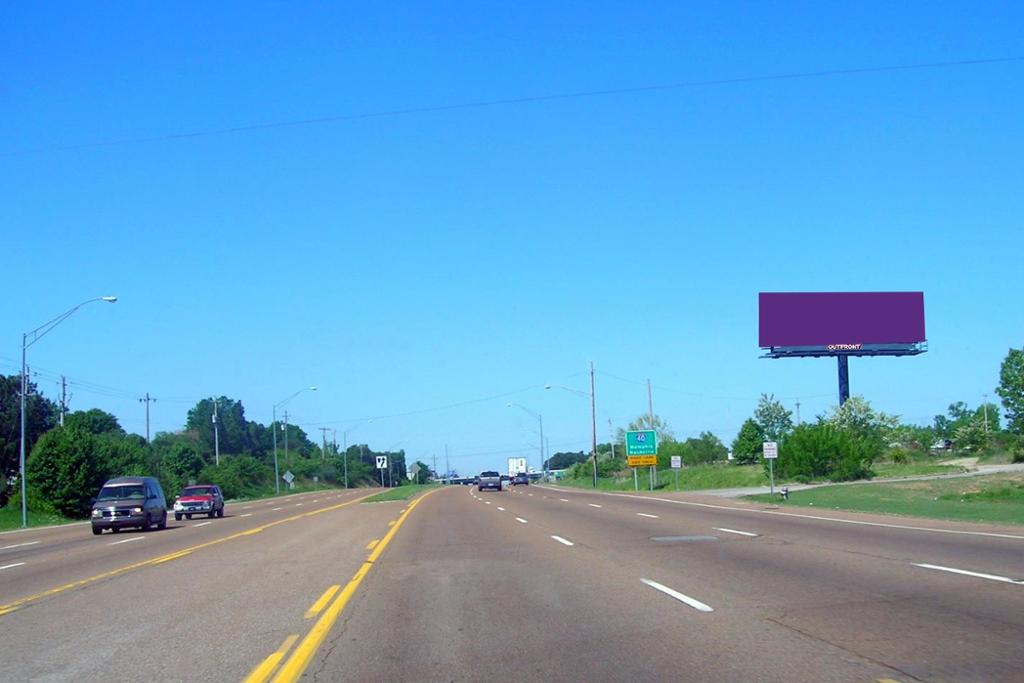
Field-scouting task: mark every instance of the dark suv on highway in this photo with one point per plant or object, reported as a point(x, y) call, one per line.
point(129, 502)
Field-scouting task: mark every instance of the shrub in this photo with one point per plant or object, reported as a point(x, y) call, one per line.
point(825, 451)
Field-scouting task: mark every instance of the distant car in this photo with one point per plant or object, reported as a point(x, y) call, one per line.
point(520, 479)
point(200, 499)
point(489, 480)
point(129, 502)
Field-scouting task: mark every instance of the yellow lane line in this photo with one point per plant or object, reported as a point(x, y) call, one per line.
point(21, 602)
point(303, 654)
point(371, 544)
point(266, 668)
point(322, 602)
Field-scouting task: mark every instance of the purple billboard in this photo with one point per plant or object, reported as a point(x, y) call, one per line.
point(840, 321)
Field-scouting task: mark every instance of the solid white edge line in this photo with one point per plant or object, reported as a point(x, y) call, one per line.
point(954, 570)
point(563, 541)
point(128, 540)
point(521, 520)
point(644, 514)
point(734, 531)
point(12, 566)
point(19, 545)
point(840, 520)
point(692, 602)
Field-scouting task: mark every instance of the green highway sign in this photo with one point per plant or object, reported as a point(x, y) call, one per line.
point(643, 442)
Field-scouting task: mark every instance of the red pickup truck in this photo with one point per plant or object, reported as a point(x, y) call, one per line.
point(200, 499)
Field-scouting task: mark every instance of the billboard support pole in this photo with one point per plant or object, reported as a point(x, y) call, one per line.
point(844, 378)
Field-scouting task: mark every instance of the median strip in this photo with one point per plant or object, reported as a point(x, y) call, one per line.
point(303, 654)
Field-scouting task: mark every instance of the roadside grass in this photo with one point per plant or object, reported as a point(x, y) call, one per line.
point(996, 498)
point(400, 493)
point(690, 478)
point(887, 470)
point(10, 518)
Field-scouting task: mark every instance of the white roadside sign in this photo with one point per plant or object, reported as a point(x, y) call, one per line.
point(382, 462)
point(677, 462)
point(771, 449)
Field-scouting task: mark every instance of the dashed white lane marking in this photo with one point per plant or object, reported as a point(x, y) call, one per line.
point(11, 566)
point(247, 514)
point(953, 570)
point(201, 524)
point(564, 500)
point(734, 531)
point(521, 520)
point(128, 540)
point(644, 514)
point(276, 509)
point(316, 500)
point(692, 602)
point(298, 504)
point(19, 545)
point(530, 495)
point(593, 505)
point(563, 541)
point(488, 502)
point(501, 508)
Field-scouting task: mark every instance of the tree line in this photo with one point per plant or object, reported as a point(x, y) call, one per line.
point(66, 465)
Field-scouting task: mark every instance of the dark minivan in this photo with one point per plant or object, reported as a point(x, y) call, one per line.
point(129, 502)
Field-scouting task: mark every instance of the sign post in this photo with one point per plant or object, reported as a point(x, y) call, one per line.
point(771, 453)
point(677, 464)
point(642, 451)
point(289, 479)
point(382, 464)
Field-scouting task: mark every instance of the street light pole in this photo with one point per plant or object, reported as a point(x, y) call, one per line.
point(540, 422)
point(593, 421)
point(36, 335)
point(273, 428)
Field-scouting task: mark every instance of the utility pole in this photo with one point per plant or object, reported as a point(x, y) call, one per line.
point(287, 459)
point(593, 422)
point(216, 434)
point(323, 450)
point(435, 466)
point(64, 401)
point(798, 412)
point(650, 418)
point(447, 467)
point(147, 400)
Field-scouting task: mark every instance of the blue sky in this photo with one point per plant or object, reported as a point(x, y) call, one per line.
point(403, 263)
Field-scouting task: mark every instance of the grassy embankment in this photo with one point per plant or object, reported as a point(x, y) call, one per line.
point(400, 493)
point(726, 476)
point(995, 498)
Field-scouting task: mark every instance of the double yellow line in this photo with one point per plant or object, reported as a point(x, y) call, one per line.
point(21, 602)
point(303, 654)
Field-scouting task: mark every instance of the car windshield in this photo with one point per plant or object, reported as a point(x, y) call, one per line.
point(488, 474)
point(121, 492)
point(198, 491)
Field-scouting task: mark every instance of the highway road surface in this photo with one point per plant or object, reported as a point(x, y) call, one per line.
point(532, 584)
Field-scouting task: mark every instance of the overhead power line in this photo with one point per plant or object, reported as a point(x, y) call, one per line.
point(531, 99)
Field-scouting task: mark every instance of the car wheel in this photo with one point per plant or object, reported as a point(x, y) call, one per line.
point(220, 513)
point(211, 514)
point(177, 516)
point(188, 516)
point(145, 523)
point(163, 522)
point(96, 531)
point(115, 530)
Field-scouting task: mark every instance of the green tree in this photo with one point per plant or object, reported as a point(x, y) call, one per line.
point(232, 428)
point(857, 416)
point(775, 421)
point(1011, 389)
point(746, 447)
point(826, 451)
point(972, 434)
point(706, 448)
point(561, 461)
point(40, 416)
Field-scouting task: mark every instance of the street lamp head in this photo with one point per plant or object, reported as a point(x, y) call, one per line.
point(109, 299)
point(547, 386)
point(508, 405)
point(312, 388)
